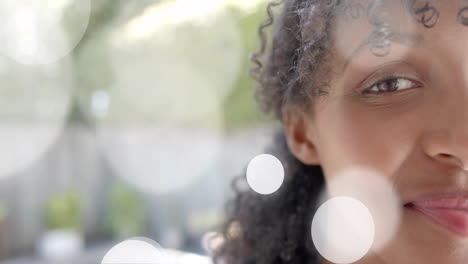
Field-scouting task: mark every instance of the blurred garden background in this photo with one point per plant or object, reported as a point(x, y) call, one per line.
point(122, 118)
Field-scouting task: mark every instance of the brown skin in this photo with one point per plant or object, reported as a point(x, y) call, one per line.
point(417, 136)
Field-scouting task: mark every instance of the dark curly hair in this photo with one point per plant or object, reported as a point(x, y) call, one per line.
point(291, 69)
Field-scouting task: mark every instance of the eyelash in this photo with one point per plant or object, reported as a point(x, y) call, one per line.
point(390, 79)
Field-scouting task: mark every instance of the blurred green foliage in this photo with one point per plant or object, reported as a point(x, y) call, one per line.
point(240, 108)
point(126, 214)
point(93, 62)
point(63, 211)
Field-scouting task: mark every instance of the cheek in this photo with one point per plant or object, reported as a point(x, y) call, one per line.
point(351, 136)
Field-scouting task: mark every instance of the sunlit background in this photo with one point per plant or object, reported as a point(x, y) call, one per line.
point(121, 119)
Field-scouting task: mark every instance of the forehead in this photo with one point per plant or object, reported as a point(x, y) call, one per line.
point(378, 26)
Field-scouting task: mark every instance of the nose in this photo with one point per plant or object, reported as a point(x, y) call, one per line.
point(449, 149)
point(447, 143)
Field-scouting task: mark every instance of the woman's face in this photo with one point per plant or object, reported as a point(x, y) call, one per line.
point(402, 111)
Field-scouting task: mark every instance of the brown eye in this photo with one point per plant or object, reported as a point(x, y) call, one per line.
point(390, 85)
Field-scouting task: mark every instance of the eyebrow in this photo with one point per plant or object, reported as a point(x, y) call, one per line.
point(409, 39)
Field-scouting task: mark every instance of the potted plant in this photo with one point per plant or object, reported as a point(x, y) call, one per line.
point(63, 238)
point(126, 213)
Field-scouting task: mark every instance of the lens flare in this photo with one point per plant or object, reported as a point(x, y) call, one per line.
point(265, 174)
point(135, 250)
point(41, 32)
point(377, 193)
point(34, 103)
point(343, 230)
point(160, 120)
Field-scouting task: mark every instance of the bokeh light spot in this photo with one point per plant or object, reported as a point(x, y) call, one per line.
point(41, 32)
point(35, 101)
point(375, 190)
point(343, 230)
point(135, 250)
point(265, 174)
point(161, 121)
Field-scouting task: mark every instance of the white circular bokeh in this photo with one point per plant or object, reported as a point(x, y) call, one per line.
point(41, 32)
point(135, 250)
point(187, 258)
point(141, 250)
point(377, 193)
point(343, 230)
point(34, 102)
point(160, 119)
point(159, 160)
point(265, 174)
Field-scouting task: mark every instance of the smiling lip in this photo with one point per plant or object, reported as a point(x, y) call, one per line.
point(448, 212)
